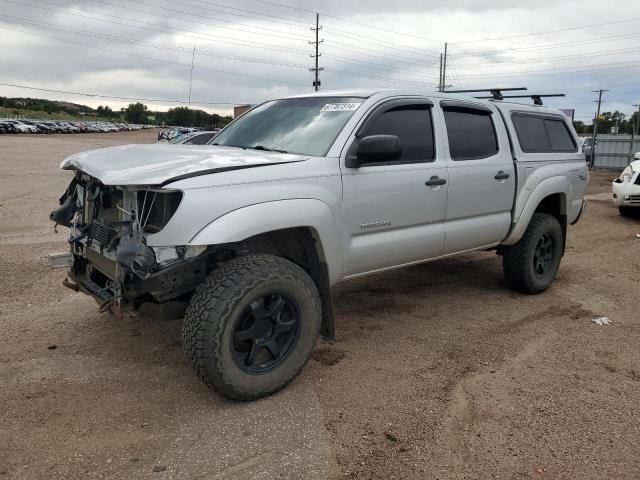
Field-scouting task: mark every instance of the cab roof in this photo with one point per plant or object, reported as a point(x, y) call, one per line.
point(504, 105)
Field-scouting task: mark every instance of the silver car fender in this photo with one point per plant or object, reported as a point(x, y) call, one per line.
point(246, 222)
point(549, 186)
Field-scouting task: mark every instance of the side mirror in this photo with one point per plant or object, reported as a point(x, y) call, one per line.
point(626, 178)
point(375, 149)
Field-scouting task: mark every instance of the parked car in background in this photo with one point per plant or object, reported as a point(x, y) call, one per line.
point(55, 128)
point(63, 126)
point(587, 147)
point(32, 124)
point(44, 127)
point(21, 127)
point(626, 189)
point(197, 138)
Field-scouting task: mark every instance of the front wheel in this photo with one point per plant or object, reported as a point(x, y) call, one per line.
point(252, 325)
point(531, 264)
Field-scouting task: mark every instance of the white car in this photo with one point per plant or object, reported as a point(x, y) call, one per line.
point(23, 127)
point(626, 188)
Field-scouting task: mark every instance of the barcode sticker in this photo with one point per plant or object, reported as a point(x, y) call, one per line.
point(340, 107)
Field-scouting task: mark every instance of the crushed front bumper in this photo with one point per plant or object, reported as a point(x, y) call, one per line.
point(161, 294)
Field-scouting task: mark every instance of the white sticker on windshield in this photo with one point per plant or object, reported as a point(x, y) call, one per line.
point(340, 107)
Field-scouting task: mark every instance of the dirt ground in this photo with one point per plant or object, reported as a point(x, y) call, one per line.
point(438, 371)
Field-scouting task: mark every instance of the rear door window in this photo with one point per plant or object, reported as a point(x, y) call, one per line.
point(539, 134)
point(559, 136)
point(471, 133)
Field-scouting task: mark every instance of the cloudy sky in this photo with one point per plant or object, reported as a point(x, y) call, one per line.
point(249, 50)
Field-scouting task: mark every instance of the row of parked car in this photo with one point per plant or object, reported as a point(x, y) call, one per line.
point(60, 126)
point(187, 136)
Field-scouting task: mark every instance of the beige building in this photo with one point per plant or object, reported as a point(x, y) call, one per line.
point(240, 110)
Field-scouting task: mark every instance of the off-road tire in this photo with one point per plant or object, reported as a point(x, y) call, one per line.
point(217, 303)
point(629, 212)
point(518, 259)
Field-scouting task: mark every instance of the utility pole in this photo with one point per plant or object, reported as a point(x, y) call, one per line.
point(637, 122)
point(193, 57)
point(440, 77)
point(634, 134)
point(594, 136)
point(444, 68)
point(316, 69)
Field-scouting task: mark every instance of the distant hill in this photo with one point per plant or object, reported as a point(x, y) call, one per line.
point(41, 105)
point(38, 108)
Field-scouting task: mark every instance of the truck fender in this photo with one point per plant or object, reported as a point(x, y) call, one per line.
point(252, 220)
point(522, 216)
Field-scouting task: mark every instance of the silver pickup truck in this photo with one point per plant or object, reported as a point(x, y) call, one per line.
point(245, 237)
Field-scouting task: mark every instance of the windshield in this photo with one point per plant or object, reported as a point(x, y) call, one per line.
point(306, 126)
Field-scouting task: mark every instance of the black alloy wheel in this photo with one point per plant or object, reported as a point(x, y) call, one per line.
point(543, 255)
point(251, 326)
point(265, 333)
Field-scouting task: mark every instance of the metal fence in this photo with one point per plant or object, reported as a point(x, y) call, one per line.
point(615, 152)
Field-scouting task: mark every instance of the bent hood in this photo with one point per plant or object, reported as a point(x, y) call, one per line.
point(159, 164)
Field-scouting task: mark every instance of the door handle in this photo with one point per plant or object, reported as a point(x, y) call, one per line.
point(501, 175)
point(435, 181)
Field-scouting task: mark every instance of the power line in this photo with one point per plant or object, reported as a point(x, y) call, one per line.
point(199, 52)
point(382, 43)
point(580, 27)
point(546, 59)
point(160, 28)
point(272, 18)
point(361, 63)
point(577, 43)
point(548, 72)
point(188, 65)
point(307, 10)
point(377, 77)
point(96, 95)
point(364, 51)
point(130, 41)
point(211, 19)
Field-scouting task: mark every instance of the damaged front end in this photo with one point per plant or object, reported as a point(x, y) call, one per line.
point(111, 259)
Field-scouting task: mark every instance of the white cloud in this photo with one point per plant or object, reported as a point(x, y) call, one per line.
point(354, 55)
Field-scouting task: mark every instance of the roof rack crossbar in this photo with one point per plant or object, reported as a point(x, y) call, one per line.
point(496, 93)
point(537, 99)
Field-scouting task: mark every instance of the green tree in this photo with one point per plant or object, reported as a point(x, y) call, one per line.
point(180, 116)
point(104, 111)
point(579, 126)
point(136, 113)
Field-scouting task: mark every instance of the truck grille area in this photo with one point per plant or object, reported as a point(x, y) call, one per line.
point(101, 233)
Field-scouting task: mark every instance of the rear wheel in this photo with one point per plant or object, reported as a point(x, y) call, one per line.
point(252, 325)
point(531, 264)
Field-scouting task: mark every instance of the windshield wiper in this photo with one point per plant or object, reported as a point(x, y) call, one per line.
point(266, 149)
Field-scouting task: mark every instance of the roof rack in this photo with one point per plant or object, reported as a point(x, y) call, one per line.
point(496, 93)
point(537, 99)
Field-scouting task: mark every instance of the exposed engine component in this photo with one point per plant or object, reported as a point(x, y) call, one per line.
point(109, 226)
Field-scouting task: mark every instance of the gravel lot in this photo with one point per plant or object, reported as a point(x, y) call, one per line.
point(438, 370)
